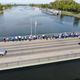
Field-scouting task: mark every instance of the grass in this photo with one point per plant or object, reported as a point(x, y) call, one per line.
point(74, 14)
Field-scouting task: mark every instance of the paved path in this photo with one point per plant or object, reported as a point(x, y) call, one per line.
point(27, 53)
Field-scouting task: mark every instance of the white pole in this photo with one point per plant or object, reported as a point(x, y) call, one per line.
point(31, 27)
point(35, 26)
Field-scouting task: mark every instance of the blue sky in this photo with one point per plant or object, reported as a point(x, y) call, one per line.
point(29, 1)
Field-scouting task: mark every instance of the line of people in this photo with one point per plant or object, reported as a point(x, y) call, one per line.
point(34, 37)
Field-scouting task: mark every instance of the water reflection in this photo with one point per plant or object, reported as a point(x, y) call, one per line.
point(61, 17)
point(75, 20)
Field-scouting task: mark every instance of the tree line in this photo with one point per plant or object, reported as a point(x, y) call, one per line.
point(2, 7)
point(66, 5)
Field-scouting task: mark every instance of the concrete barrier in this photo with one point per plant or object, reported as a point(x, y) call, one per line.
point(38, 61)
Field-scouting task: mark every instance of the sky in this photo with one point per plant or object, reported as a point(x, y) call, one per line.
point(25, 1)
point(29, 1)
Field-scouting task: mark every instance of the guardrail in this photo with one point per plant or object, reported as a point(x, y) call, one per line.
point(39, 61)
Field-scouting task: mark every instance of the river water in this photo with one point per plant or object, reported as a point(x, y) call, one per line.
point(18, 20)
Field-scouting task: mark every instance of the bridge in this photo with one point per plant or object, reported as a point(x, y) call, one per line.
point(37, 52)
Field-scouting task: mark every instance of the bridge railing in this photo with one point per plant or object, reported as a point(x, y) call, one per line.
point(38, 61)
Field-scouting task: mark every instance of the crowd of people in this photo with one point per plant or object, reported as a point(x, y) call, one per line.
point(44, 36)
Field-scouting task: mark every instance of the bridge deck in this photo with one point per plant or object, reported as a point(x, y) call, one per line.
point(28, 53)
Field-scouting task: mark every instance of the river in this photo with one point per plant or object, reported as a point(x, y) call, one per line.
point(18, 20)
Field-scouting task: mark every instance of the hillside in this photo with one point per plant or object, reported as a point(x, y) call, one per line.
point(66, 5)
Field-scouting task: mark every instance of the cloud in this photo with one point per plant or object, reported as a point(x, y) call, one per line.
point(78, 1)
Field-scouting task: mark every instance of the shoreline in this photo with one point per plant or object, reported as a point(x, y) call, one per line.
point(65, 13)
point(1, 12)
point(73, 14)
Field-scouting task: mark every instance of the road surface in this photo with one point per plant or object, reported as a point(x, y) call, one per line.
point(29, 52)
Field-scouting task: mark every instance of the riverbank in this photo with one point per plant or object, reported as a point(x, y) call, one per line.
point(67, 13)
point(1, 12)
point(59, 12)
point(3, 7)
point(68, 7)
